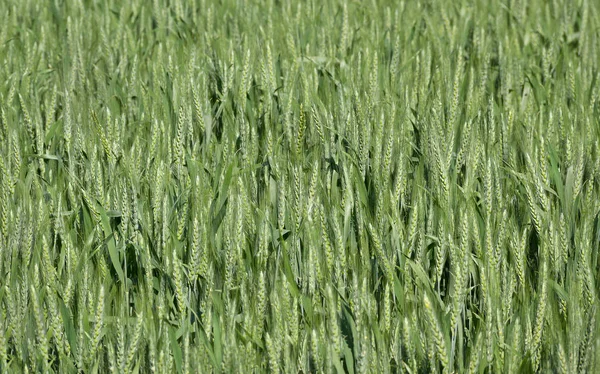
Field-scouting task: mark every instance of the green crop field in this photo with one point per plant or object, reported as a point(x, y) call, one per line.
point(320, 186)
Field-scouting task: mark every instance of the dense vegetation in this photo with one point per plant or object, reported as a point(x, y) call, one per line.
point(316, 186)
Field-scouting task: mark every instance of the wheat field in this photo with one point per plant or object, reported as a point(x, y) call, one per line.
point(277, 186)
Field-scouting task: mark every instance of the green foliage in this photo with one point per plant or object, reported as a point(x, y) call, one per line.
point(317, 186)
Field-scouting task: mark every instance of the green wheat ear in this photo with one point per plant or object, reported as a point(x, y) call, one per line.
point(315, 187)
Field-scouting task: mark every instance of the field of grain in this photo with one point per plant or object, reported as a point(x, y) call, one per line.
point(277, 186)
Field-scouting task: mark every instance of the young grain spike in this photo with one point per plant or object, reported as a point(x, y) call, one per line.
point(326, 242)
point(133, 345)
point(385, 170)
point(540, 317)
point(179, 139)
point(102, 136)
point(28, 123)
point(291, 47)
point(281, 203)
point(464, 144)
point(317, 123)
point(164, 234)
point(3, 124)
point(373, 86)
point(438, 338)
point(272, 353)
point(186, 353)
point(41, 329)
point(4, 209)
point(489, 323)
point(293, 322)
point(98, 324)
point(455, 96)
point(315, 351)
point(195, 251)
point(589, 192)
point(509, 289)
point(270, 71)
point(440, 252)
point(112, 360)
point(120, 345)
point(585, 348)
point(239, 233)
point(442, 175)
point(56, 323)
point(387, 308)
point(345, 31)
point(564, 240)
point(395, 62)
point(306, 89)
point(178, 278)
point(334, 328)
point(297, 207)
point(245, 80)
point(387, 267)
point(80, 341)
point(198, 112)
point(183, 217)
point(3, 345)
point(230, 258)
point(67, 129)
point(312, 189)
point(261, 303)
point(499, 254)
point(301, 128)
point(459, 273)
point(533, 210)
point(579, 169)
point(562, 358)
point(475, 356)
point(341, 250)
point(519, 249)
point(16, 159)
point(49, 271)
point(11, 308)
